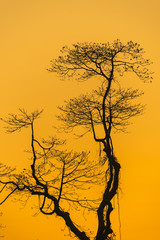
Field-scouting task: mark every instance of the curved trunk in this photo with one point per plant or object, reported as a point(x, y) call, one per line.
point(105, 207)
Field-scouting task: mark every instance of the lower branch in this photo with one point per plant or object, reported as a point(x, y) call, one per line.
point(70, 224)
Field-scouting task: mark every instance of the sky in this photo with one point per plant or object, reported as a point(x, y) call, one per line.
point(32, 33)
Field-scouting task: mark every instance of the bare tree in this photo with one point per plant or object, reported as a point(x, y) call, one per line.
point(57, 176)
point(106, 107)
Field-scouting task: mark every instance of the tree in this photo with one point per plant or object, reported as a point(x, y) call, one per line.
point(105, 62)
point(56, 174)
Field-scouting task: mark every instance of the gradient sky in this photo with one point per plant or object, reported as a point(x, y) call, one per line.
point(32, 33)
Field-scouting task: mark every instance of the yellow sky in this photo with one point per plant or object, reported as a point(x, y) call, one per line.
point(32, 33)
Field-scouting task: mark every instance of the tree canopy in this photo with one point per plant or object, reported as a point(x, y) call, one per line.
point(86, 60)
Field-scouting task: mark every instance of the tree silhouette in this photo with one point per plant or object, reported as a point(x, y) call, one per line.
point(57, 176)
point(108, 107)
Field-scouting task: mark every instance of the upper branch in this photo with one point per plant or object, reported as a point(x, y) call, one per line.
point(86, 60)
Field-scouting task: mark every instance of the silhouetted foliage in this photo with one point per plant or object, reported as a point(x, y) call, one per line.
point(59, 177)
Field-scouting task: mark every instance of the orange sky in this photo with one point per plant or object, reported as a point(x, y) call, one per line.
point(32, 33)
